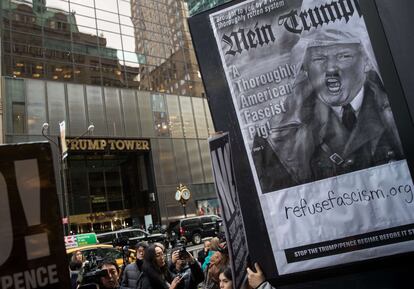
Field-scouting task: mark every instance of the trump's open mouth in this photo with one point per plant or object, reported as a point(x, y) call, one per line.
point(333, 84)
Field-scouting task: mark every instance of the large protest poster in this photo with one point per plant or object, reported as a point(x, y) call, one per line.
point(32, 251)
point(228, 197)
point(318, 129)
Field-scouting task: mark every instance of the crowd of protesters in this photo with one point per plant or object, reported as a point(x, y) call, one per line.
point(151, 270)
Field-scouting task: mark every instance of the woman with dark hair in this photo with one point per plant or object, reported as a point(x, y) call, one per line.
point(226, 279)
point(156, 270)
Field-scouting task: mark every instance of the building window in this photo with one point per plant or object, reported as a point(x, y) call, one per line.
point(19, 118)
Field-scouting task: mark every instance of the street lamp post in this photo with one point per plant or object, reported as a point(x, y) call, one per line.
point(182, 195)
point(63, 168)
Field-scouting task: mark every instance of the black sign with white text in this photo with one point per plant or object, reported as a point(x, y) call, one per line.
point(32, 251)
point(227, 194)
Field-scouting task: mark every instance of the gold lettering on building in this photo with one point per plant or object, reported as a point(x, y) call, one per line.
point(107, 144)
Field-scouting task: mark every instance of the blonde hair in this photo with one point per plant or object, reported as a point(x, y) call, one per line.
point(214, 244)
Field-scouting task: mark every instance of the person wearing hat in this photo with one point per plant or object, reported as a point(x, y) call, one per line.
point(339, 119)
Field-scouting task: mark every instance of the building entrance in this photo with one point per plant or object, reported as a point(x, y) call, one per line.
point(110, 190)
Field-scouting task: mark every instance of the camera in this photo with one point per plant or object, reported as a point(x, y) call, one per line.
point(90, 273)
point(94, 276)
point(182, 253)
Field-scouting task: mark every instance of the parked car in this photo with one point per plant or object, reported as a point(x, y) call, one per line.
point(194, 229)
point(132, 235)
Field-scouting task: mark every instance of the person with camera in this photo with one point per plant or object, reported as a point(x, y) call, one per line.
point(156, 270)
point(102, 274)
point(110, 280)
point(183, 264)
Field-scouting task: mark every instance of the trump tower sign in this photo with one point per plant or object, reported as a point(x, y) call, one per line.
point(32, 251)
point(309, 116)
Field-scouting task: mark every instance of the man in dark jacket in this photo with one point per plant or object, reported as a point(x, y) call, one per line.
point(133, 276)
point(183, 264)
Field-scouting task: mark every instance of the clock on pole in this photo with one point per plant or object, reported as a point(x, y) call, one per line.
point(182, 195)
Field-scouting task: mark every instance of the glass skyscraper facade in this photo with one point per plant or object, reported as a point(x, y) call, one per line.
point(129, 68)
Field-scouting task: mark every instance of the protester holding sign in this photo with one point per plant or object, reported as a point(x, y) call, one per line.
point(257, 279)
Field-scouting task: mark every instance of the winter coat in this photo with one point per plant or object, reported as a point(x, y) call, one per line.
point(311, 143)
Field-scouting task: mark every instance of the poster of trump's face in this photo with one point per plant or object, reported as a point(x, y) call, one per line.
point(336, 72)
point(318, 128)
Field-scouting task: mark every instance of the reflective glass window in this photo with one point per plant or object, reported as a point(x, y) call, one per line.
point(130, 112)
point(96, 109)
point(188, 117)
point(155, 150)
point(113, 112)
point(195, 161)
point(175, 121)
point(145, 113)
point(82, 9)
point(183, 168)
point(113, 186)
point(83, 2)
point(160, 117)
point(108, 11)
point(200, 117)
point(86, 24)
point(124, 7)
point(132, 73)
point(125, 20)
point(59, 4)
point(15, 112)
point(36, 106)
point(96, 184)
point(78, 186)
point(206, 159)
point(109, 40)
point(167, 162)
point(56, 105)
point(108, 26)
point(127, 30)
point(77, 111)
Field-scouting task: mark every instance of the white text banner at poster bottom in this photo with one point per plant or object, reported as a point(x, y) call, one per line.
point(363, 215)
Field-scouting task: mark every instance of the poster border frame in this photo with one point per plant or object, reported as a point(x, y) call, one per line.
point(214, 80)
